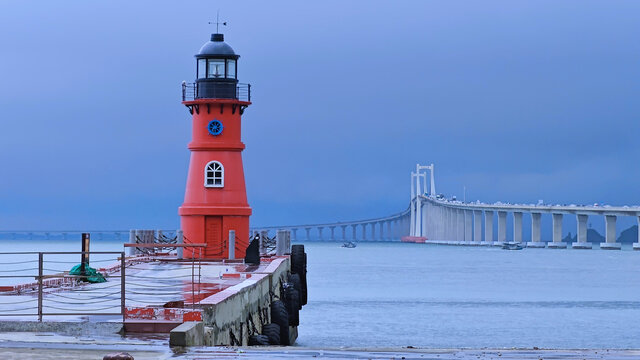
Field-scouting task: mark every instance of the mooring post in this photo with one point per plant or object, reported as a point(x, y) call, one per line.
point(132, 240)
point(180, 240)
point(40, 262)
point(123, 308)
point(283, 242)
point(264, 235)
point(232, 244)
point(139, 239)
point(84, 259)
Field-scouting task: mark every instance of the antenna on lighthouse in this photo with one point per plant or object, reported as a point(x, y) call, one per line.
point(217, 22)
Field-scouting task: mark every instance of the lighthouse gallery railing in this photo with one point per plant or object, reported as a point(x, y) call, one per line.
point(190, 92)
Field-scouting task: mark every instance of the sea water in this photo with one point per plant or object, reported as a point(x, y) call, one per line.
point(400, 294)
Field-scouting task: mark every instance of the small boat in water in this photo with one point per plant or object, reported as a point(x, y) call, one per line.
point(413, 239)
point(512, 246)
point(349, 245)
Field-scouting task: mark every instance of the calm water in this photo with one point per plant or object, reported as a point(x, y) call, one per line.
point(394, 294)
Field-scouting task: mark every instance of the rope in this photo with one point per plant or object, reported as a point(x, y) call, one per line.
point(73, 310)
point(13, 310)
point(100, 288)
point(160, 293)
point(145, 302)
point(19, 262)
point(18, 302)
point(149, 269)
point(155, 278)
point(81, 303)
point(105, 260)
point(75, 298)
point(75, 262)
point(148, 286)
point(14, 270)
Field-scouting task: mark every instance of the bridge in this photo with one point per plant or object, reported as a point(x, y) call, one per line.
point(438, 220)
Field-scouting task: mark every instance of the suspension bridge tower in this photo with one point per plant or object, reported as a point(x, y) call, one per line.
point(215, 199)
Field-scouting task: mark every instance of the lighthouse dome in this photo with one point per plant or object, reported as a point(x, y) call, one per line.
point(216, 46)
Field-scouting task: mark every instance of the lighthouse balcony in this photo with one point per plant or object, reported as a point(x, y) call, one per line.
point(216, 90)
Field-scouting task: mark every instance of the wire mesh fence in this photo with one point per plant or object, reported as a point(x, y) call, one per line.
point(46, 285)
point(41, 284)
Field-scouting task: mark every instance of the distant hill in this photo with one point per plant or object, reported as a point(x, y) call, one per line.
point(630, 235)
point(592, 236)
point(627, 236)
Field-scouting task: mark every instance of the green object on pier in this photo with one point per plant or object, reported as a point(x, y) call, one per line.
point(91, 274)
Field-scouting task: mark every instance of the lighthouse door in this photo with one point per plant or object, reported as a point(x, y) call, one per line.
point(213, 236)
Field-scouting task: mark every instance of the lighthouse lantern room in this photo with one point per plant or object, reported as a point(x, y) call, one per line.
point(215, 200)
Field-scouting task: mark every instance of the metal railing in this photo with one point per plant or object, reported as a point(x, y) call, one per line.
point(52, 291)
point(44, 297)
point(147, 290)
point(190, 92)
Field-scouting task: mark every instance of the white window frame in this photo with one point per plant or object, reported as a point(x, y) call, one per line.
point(206, 178)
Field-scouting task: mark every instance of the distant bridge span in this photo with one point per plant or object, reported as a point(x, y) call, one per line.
point(453, 222)
point(396, 225)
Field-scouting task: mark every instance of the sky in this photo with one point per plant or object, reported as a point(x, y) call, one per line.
point(515, 101)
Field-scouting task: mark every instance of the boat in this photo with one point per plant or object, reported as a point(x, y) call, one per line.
point(414, 239)
point(512, 246)
point(349, 245)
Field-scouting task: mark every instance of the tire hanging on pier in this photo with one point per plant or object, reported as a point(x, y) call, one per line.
point(279, 316)
point(272, 331)
point(299, 266)
point(303, 294)
point(292, 302)
point(258, 340)
point(297, 284)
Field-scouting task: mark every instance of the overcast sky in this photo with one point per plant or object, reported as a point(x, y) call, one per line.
point(517, 101)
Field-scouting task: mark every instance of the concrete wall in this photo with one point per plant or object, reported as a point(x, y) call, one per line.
point(227, 311)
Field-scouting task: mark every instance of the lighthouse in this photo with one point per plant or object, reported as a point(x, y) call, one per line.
point(215, 199)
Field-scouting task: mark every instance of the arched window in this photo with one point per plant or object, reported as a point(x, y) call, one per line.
point(214, 174)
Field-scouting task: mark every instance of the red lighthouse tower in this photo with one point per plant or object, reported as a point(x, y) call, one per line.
point(215, 199)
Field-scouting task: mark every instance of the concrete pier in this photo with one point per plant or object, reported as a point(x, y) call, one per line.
point(454, 225)
point(468, 227)
point(502, 228)
point(535, 231)
point(477, 226)
point(557, 242)
point(581, 240)
point(610, 234)
point(488, 228)
point(517, 227)
point(460, 226)
point(636, 245)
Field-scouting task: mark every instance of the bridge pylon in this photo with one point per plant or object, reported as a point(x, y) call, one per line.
point(418, 182)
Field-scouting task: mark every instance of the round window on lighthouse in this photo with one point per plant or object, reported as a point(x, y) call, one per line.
point(215, 127)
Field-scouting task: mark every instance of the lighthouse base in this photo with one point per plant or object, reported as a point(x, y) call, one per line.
point(213, 230)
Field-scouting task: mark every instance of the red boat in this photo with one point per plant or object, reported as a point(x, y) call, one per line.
point(414, 239)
